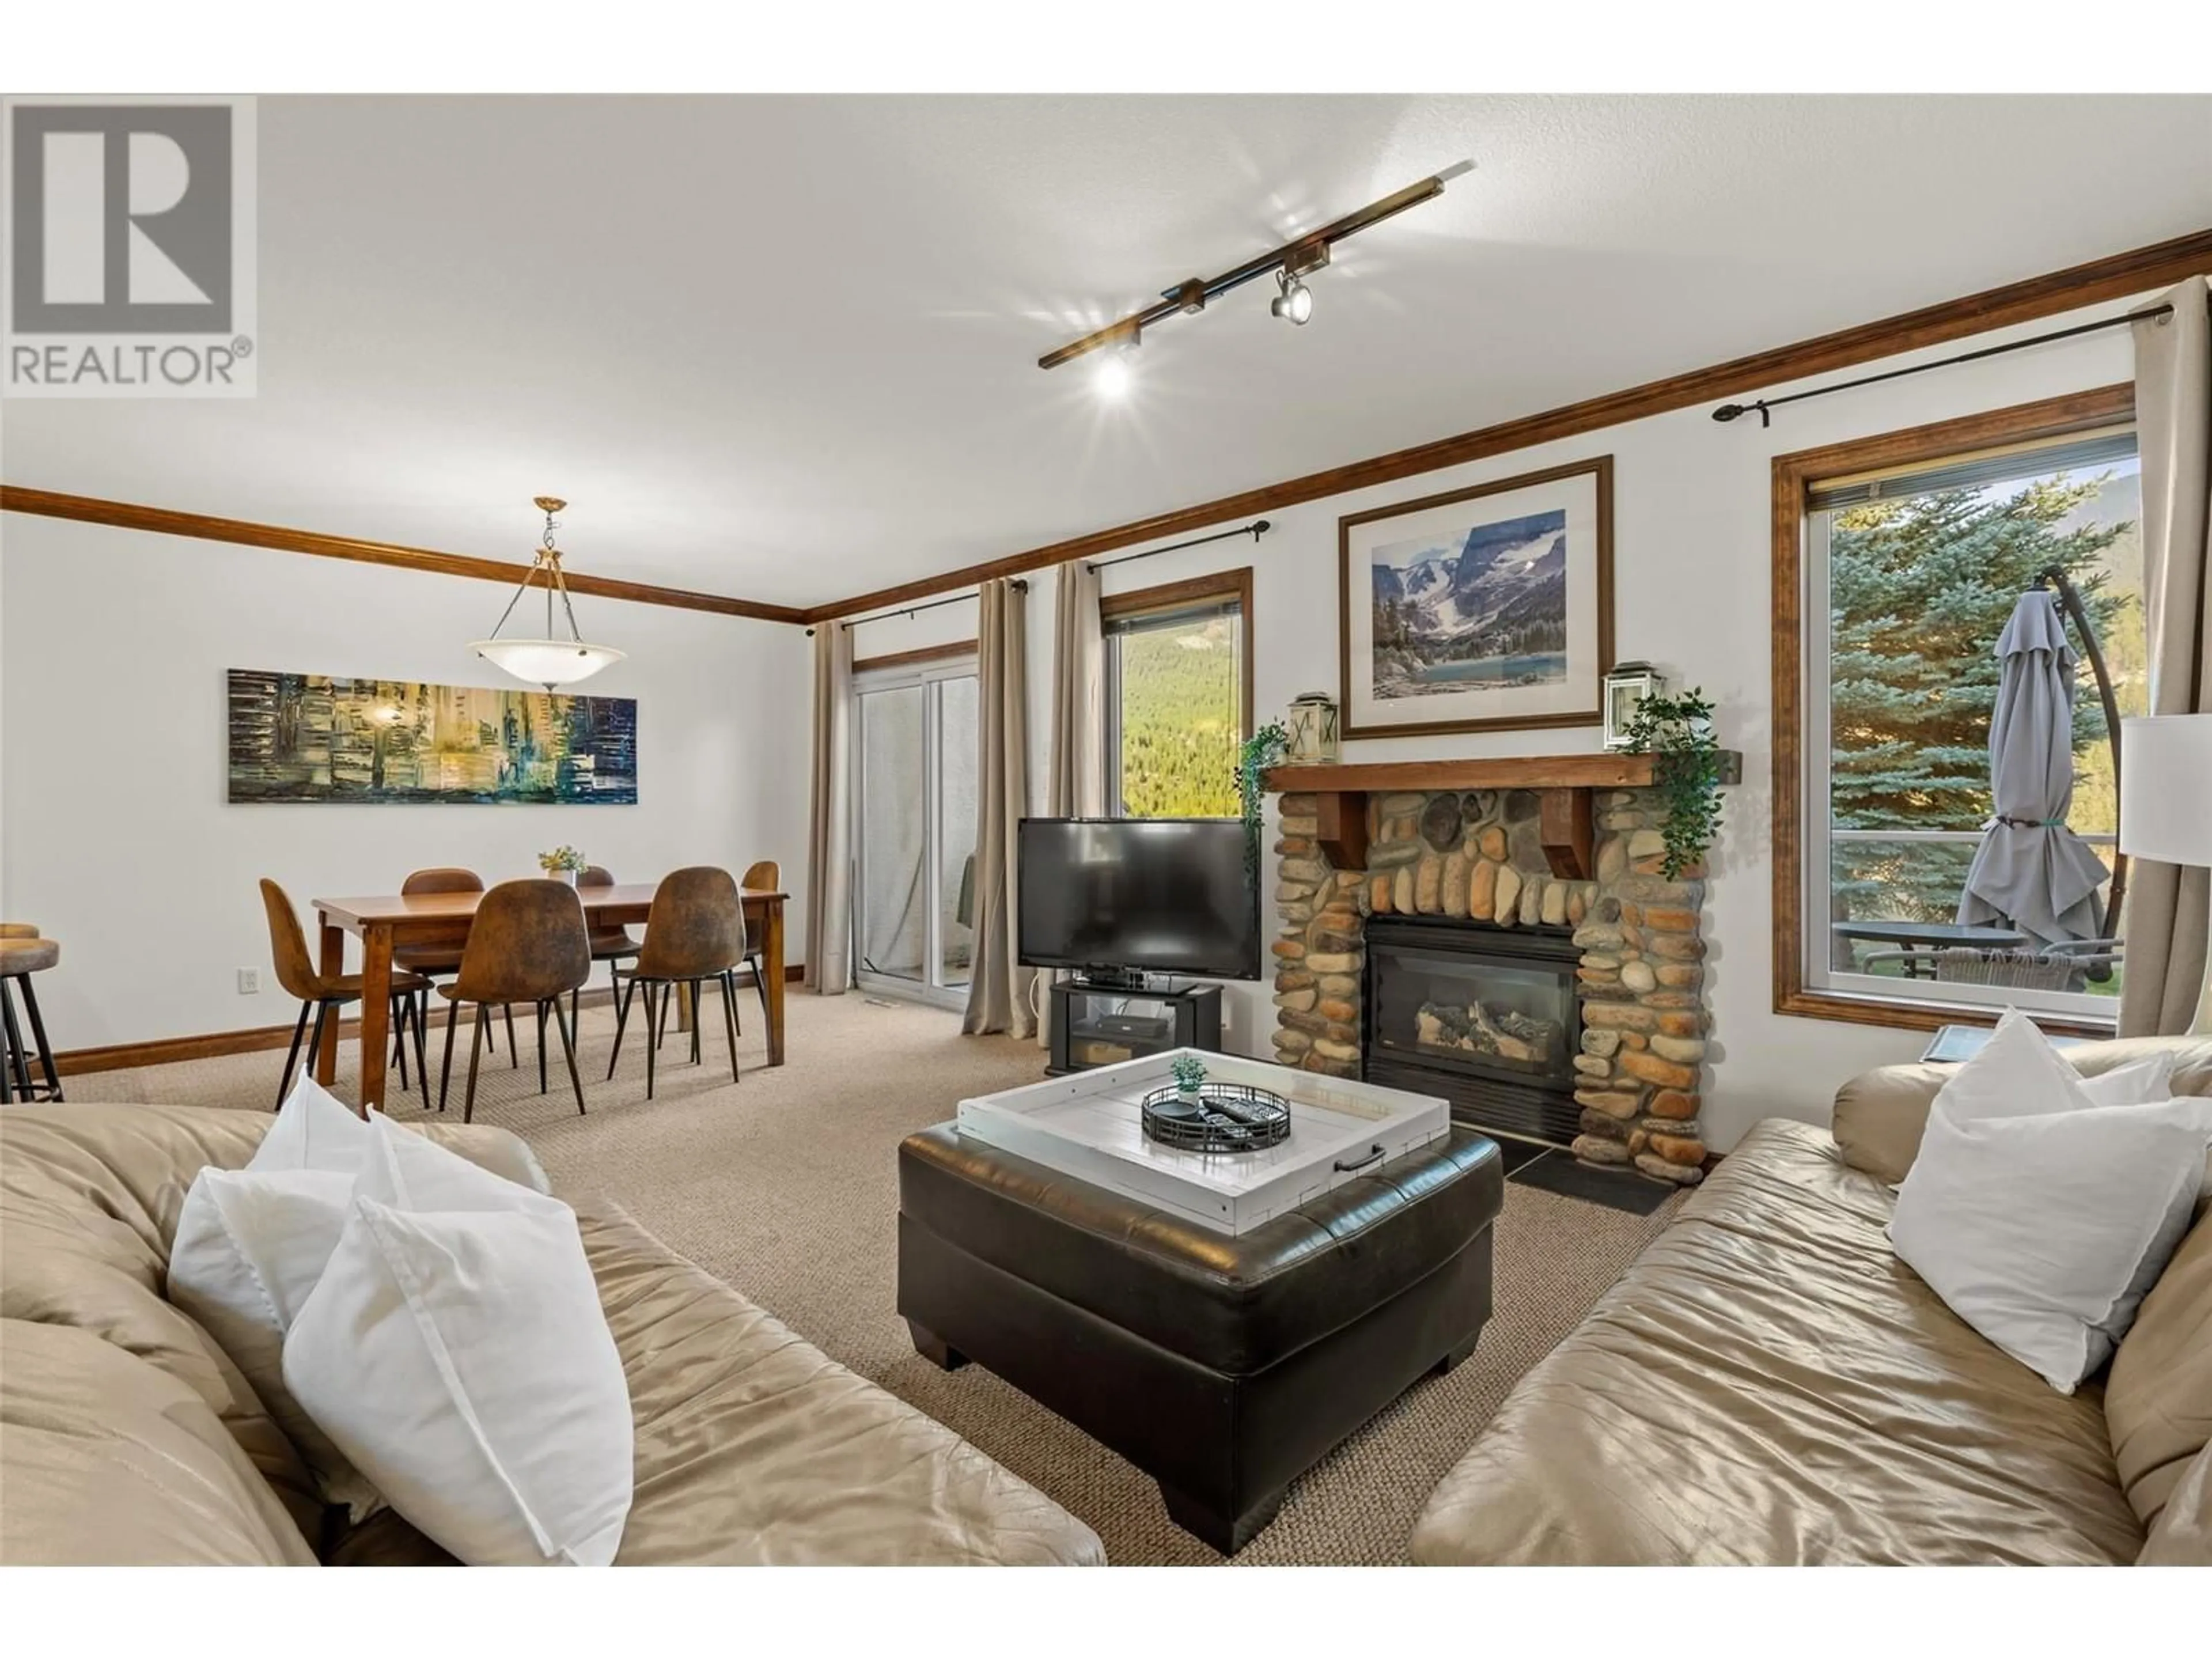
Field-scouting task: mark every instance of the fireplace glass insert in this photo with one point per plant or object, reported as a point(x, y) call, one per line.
point(1486, 1016)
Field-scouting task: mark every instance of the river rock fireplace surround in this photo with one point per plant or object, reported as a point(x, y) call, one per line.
point(1499, 933)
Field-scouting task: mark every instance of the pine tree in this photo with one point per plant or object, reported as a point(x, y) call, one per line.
point(1921, 587)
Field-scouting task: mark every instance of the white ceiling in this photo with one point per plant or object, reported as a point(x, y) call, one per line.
point(784, 348)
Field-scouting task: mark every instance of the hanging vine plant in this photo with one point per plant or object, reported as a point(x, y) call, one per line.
point(1677, 732)
point(1259, 751)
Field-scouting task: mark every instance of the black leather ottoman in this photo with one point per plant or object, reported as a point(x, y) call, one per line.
point(1223, 1367)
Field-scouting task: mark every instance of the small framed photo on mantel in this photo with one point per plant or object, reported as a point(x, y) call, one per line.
point(1485, 610)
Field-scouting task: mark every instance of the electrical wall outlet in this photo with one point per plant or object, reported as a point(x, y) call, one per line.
point(249, 981)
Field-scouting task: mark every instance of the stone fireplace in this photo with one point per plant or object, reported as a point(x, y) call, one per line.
point(1515, 950)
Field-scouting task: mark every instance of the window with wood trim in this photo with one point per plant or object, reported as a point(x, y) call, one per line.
point(1178, 695)
point(1898, 562)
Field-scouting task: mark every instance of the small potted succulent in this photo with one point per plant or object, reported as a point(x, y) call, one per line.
point(563, 864)
point(1189, 1074)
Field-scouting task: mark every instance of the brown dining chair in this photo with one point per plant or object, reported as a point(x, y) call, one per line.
point(22, 954)
point(325, 993)
point(440, 960)
point(763, 876)
point(695, 932)
point(609, 944)
point(528, 943)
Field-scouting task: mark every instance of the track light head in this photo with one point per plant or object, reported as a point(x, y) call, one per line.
point(1295, 303)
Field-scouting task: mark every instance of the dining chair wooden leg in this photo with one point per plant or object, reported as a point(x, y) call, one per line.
point(541, 1048)
point(576, 1011)
point(476, 1048)
point(664, 995)
point(621, 1021)
point(760, 984)
point(730, 1017)
point(656, 995)
point(698, 1020)
point(8, 1042)
point(513, 1053)
point(446, 1072)
point(568, 1048)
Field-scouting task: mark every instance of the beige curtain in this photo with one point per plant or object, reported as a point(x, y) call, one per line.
point(999, 988)
point(1075, 788)
point(829, 848)
point(2168, 905)
point(1078, 780)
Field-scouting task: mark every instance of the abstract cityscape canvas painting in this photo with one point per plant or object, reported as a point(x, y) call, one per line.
point(319, 738)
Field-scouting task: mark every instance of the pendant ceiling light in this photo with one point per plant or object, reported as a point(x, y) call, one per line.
point(549, 662)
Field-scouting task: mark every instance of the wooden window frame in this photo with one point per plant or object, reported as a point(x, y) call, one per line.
point(922, 658)
point(1216, 587)
point(1794, 477)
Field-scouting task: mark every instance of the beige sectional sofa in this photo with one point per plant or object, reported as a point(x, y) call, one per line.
point(127, 1437)
point(1769, 1384)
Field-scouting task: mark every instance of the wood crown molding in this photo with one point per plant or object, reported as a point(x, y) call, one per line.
point(161, 520)
point(1794, 475)
point(2114, 277)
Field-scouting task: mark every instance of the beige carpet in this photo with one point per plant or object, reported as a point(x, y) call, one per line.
point(786, 1186)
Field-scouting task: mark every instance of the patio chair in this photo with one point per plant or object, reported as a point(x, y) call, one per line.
point(2067, 966)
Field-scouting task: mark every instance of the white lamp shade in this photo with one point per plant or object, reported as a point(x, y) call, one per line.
point(548, 663)
point(2165, 789)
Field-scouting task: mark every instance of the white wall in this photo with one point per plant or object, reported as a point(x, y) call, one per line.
point(1691, 592)
point(119, 842)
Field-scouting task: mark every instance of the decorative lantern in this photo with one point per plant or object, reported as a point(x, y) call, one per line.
point(1312, 727)
point(1626, 686)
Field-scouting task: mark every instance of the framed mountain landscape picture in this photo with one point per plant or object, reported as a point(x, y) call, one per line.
point(1485, 610)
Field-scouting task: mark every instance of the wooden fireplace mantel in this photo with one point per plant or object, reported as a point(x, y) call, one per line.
point(1563, 784)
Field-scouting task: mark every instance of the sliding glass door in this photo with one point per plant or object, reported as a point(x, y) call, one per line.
point(914, 807)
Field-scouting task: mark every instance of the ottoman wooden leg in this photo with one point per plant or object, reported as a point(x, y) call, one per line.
point(1206, 1523)
point(934, 1348)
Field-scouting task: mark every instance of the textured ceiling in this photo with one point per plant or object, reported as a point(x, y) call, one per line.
point(783, 348)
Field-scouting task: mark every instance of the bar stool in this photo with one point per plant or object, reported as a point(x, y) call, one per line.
point(288, 946)
point(23, 953)
point(695, 932)
point(528, 943)
point(764, 877)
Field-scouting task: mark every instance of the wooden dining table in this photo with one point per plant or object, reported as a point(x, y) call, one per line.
point(382, 922)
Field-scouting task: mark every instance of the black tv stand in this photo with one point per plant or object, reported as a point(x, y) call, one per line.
point(1097, 1023)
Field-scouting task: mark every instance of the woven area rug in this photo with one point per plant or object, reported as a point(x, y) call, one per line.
point(785, 1184)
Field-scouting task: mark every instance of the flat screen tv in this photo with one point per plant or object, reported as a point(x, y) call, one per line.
point(1161, 896)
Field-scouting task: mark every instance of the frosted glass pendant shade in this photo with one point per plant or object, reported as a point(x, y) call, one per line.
point(548, 663)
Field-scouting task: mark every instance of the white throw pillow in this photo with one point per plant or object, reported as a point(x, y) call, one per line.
point(313, 1130)
point(2018, 1072)
point(2041, 1217)
point(456, 1353)
point(250, 1247)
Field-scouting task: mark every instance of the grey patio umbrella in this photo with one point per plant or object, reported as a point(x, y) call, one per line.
point(2030, 871)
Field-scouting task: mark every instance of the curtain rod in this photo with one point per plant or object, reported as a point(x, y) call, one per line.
point(1256, 529)
point(1019, 586)
point(1765, 405)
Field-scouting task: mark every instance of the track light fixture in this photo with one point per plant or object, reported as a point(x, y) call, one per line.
point(1289, 263)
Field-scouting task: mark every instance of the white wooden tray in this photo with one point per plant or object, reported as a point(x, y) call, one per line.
point(1087, 1125)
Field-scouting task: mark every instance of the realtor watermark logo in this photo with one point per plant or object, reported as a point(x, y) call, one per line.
point(130, 262)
